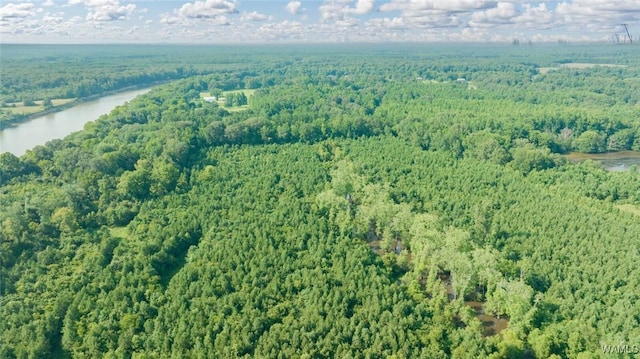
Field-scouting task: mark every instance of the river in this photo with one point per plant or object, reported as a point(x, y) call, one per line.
point(40, 130)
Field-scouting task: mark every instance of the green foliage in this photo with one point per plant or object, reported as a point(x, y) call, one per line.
point(47, 103)
point(235, 99)
point(527, 157)
point(486, 146)
point(351, 210)
point(590, 142)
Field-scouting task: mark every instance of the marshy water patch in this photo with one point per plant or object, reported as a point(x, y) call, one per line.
point(611, 161)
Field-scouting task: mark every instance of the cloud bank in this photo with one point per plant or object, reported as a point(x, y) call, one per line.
point(230, 21)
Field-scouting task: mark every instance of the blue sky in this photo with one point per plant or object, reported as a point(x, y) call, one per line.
point(275, 21)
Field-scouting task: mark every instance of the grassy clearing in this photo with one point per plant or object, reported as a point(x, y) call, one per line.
point(62, 101)
point(584, 65)
point(236, 108)
point(575, 65)
point(247, 92)
point(19, 109)
point(545, 70)
point(24, 110)
point(119, 232)
point(221, 100)
point(629, 208)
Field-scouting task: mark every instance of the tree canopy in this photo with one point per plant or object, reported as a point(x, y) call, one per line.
point(356, 202)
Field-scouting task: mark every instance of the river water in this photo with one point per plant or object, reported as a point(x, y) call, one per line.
point(40, 130)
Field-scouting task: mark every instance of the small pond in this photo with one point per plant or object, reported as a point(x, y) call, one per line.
point(612, 161)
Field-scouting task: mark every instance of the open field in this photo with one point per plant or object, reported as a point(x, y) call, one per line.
point(545, 70)
point(582, 65)
point(630, 208)
point(60, 101)
point(247, 92)
point(19, 109)
point(576, 65)
point(221, 100)
point(24, 110)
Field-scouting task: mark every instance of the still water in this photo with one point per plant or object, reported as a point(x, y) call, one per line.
point(612, 161)
point(38, 131)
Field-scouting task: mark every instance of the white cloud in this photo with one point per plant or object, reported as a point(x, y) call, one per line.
point(347, 21)
point(331, 10)
point(436, 13)
point(220, 20)
point(535, 18)
point(169, 19)
point(283, 31)
point(501, 14)
point(211, 11)
point(337, 9)
point(18, 19)
point(293, 7)
point(437, 5)
point(52, 19)
point(362, 7)
point(430, 19)
point(105, 10)
point(334, 20)
point(111, 13)
point(593, 6)
point(17, 11)
point(206, 9)
point(386, 23)
point(598, 16)
point(253, 16)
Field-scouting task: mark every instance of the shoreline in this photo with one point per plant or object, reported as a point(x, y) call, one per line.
point(602, 156)
point(612, 161)
point(54, 109)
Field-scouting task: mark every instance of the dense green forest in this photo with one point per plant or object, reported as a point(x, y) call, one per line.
point(42, 78)
point(356, 207)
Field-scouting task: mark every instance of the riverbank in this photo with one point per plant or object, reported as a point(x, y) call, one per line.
point(24, 136)
point(20, 119)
